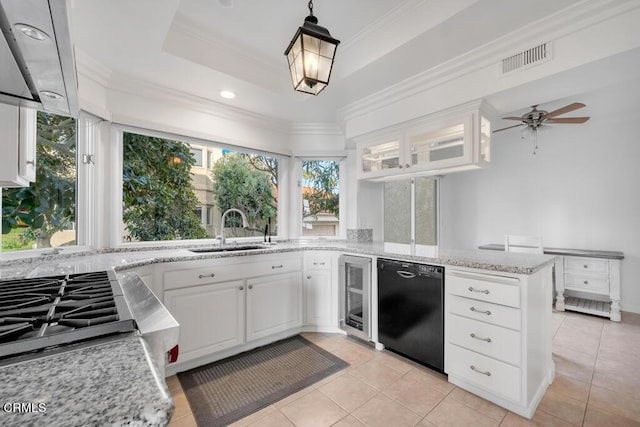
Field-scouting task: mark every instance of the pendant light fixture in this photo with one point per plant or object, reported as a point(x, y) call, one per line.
point(310, 55)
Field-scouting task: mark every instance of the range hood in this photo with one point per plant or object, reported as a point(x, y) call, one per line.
point(37, 66)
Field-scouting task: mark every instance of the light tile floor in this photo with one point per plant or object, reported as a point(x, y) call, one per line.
point(597, 383)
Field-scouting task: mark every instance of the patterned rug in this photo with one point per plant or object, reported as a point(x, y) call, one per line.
point(225, 391)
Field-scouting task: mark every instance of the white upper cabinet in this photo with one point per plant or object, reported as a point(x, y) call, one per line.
point(18, 144)
point(453, 140)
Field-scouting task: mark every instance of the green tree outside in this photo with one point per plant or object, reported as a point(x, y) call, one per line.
point(158, 198)
point(320, 179)
point(48, 204)
point(246, 182)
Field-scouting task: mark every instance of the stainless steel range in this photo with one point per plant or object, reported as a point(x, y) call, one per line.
point(40, 313)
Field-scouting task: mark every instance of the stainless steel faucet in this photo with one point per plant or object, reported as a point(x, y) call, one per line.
point(245, 223)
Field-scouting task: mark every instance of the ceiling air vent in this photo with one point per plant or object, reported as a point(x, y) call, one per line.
point(527, 58)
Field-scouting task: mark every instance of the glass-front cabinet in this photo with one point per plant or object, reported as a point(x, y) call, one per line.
point(453, 140)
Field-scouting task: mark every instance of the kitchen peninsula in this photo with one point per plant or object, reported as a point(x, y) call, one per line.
point(512, 285)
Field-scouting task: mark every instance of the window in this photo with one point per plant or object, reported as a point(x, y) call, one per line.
point(44, 214)
point(165, 197)
point(197, 155)
point(320, 198)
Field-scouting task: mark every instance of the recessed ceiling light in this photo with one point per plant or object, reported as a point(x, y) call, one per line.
point(227, 94)
point(52, 95)
point(32, 32)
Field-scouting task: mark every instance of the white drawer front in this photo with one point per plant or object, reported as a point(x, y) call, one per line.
point(495, 376)
point(587, 283)
point(485, 287)
point(490, 340)
point(500, 315)
point(586, 265)
point(200, 276)
point(317, 261)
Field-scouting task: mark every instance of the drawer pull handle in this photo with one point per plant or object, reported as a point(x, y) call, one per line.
point(586, 282)
point(474, 369)
point(487, 312)
point(318, 263)
point(276, 266)
point(482, 291)
point(202, 276)
point(481, 339)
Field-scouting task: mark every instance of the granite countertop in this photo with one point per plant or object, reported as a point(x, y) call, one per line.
point(565, 251)
point(106, 383)
point(126, 258)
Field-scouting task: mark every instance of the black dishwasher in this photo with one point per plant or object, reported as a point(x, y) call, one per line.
point(411, 310)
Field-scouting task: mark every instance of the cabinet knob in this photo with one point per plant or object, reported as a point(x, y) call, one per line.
point(586, 266)
point(400, 166)
point(407, 165)
point(308, 277)
point(31, 162)
point(586, 282)
point(250, 286)
point(241, 288)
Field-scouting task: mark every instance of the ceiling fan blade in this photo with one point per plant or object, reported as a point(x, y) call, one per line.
point(565, 109)
point(510, 127)
point(569, 120)
point(512, 118)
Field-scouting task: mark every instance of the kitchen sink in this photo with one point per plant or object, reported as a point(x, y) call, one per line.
point(228, 249)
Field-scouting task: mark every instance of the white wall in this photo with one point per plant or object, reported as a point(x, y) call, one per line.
point(581, 190)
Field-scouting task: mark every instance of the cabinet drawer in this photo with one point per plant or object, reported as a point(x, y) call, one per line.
point(586, 265)
point(485, 287)
point(490, 340)
point(200, 276)
point(588, 283)
point(500, 315)
point(317, 261)
point(493, 375)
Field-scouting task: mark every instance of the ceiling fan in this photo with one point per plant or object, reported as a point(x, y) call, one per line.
point(536, 119)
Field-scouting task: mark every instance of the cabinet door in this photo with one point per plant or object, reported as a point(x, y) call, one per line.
point(17, 163)
point(273, 304)
point(318, 297)
point(380, 158)
point(211, 317)
point(447, 145)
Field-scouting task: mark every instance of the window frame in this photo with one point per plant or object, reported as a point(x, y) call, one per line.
point(116, 194)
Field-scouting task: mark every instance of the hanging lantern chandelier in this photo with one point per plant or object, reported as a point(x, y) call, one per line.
point(310, 55)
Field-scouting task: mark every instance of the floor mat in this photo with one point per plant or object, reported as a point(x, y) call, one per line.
point(225, 391)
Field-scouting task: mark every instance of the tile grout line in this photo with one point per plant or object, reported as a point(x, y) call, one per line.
point(595, 363)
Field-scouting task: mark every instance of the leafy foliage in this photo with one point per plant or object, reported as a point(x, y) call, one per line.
point(240, 183)
point(48, 204)
point(159, 201)
point(321, 187)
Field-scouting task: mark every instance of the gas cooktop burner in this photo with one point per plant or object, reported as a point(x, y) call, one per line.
point(49, 311)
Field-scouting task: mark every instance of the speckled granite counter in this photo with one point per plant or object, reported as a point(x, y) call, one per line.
point(565, 251)
point(103, 384)
point(122, 259)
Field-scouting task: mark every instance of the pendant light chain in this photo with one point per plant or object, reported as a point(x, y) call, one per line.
point(310, 5)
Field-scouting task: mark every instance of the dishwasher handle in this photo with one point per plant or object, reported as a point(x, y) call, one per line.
point(405, 274)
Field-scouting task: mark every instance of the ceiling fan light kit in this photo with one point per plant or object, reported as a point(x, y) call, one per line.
point(537, 121)
point(310, 56)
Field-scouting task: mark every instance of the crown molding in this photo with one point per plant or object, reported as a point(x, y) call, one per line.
point(92, 69)
point(316, 128)
point(551, 28)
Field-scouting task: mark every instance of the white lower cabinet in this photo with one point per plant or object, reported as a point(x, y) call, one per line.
point(498, 335)
point(273, 304)
point(320, 290)
point(211, 317)
point(228, 305)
